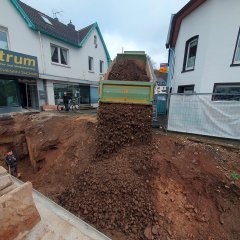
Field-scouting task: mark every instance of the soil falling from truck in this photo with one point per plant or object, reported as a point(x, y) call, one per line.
point(121, 200)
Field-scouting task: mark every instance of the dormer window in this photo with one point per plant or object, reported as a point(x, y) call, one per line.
point(46, 20)
point(95, 41)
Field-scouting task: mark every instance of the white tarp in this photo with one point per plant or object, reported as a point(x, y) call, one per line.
point(198, 114)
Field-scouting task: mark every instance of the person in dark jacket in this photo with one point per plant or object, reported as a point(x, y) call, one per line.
point(66, 99)
point(11, 162)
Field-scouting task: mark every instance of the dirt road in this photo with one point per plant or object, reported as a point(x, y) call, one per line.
point(190, 193)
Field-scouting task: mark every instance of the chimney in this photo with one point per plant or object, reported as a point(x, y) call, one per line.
point(56, 19)
point(71, 26)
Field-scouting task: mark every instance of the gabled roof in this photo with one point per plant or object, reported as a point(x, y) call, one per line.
point(177, 18)
point(35, 21)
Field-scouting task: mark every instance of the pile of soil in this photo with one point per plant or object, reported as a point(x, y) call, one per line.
point(115, 195)
point(120, 124)
point(196, 196)
point(128, 70)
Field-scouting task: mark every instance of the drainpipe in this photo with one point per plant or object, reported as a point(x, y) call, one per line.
point(42, 54)
point(169, 81)
point(43, 67)
point(172, 64)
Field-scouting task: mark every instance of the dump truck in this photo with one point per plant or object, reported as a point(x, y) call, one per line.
point(126, 103)
point(131, 92)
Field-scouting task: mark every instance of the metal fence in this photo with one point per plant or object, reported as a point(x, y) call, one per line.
point(205, 114)
point(160, 106)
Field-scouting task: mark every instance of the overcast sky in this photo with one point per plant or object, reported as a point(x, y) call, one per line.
point(131, 24)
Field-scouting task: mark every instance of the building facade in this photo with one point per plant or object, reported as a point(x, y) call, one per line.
point(204, 69)
point(204, 48)
point(68, 59)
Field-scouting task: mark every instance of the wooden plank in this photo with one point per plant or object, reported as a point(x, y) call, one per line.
point(31, 156)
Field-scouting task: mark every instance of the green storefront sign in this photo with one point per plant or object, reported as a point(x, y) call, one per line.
point(18, 64)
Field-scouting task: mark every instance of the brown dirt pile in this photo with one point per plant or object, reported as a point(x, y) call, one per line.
point(196, 196)
point(120, 124)
point(120, 200)
point(115, 194)
point(128, 70)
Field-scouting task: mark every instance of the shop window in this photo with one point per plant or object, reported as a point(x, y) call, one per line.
point(226, 92)
point(186, 89)
point(94, 94)
point(8, 93)
point(90, 64)
point(3, 39)
point(190, 54)
point(59, 55)
point(72, 90)
point(101, 66)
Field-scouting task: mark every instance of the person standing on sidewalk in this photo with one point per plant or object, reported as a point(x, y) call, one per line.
point(66, 99)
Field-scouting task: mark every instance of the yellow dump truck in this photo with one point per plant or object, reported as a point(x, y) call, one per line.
point(134, 92)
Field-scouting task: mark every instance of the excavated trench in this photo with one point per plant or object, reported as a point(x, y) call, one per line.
point(171, 189)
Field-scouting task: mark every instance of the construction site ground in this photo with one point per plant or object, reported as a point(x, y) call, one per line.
point(195, 187)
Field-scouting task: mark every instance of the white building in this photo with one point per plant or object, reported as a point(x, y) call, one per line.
point(204, 69)
point(68, 59)
point(204, 47)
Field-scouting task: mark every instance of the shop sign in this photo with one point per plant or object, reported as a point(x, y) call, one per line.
point(163, 68)
point(18, 64)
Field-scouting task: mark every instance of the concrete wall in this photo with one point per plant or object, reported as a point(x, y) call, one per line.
point(50, 92)
point(217, 23)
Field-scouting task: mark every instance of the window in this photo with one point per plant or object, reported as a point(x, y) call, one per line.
point(73, 90)
point(101, 66)
point(3, 39)
point(236, 56)
point(190, 54)
point(186, 89)
point(46, 20)
point(226, 92)
point(59, 55)
point(8, 93)
point(90, 64)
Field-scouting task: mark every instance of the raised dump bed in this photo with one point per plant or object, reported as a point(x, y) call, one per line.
point(135, 84)
point(126, 92)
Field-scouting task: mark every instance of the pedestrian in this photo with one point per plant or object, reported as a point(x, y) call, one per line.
point(11, 162)
point(66, 99)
